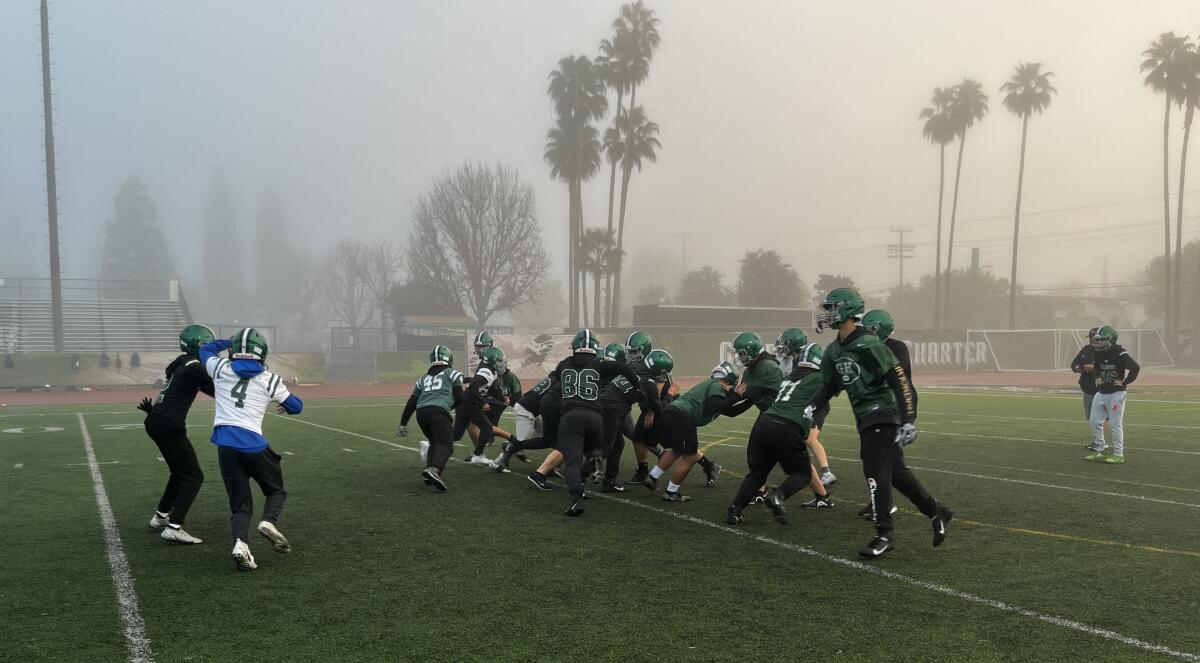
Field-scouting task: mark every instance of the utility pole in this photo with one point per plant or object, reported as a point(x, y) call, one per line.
point(51, 185)
point(900, 251)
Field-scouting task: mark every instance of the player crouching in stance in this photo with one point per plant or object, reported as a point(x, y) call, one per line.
point(678, 426)
point(475, 405)
point(244, 389)
point(433, 397)
point(1114, 370)
point(779, 435)
point(166, 424)
point(858, 363)
point(617, 399)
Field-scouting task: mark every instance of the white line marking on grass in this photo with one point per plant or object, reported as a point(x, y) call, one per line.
point(999, 394)
point(161, 458)
point(859, 566)
point(1080, 422)
point(18, 466)
point(136, 641)
point(91, 462)
point(349, 450)
point(289, 453)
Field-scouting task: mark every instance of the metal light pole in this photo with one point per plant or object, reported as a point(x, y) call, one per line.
point(51, 186)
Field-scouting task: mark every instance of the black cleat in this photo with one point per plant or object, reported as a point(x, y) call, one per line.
point(610, 487)
point(520, 455)
point(876, 547)
point(759, 497)
point(867, 513)
point(818, 502)
point(734, 516)
point(650, 482)
point(538, 479)
point(433, 478)
point(774, 502)
point(712, 472)
point(576, 507)
point(676, 496)
point(638, 477)
point(941, 524)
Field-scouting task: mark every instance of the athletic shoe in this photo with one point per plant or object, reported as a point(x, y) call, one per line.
point(597, 470)
point(433, 478)
point(480, 459)
point(242, 557)
point(1115, 460)
point(941, 524)
point(423, 449)
point(734, 516)
point(159, 522)
point(876, 547)
point(650, 482)
point(638, 476)
point(272, 534)
point(676, 496)
point(774, 502)
point(500, 464)
point(538, 479)
point(522, 457)
point(759, 497)
point(178, 535)
point(712, 472)
point(1097, 455)
point(819, 502)
point(576, 507)
point(827, 479)
point(609, 487)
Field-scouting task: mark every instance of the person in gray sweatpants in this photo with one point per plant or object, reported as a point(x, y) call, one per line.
point(1115, 370)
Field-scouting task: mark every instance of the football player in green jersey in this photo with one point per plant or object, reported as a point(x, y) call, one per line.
point(858, 363)
point(790, 347)
point(438, 392)
point(637, 348)
point(677, 428)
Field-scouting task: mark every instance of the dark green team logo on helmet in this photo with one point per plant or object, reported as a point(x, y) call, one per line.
point(638, 346)
point(660, 364)
point(585, 341)
point(791, 342)
point(879, 322)
point(1105, 338)
point(493, 358)
point(483, 341)
point(441, 356)
point(192, 337)
point(847, 369)
point(249, 343)
point(725, 372)
point(614, 352)
point(840, 305)
point(746, 347)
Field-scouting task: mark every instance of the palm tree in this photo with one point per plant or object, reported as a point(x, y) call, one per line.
point(1186, 78)
point(939, 130)
point(573, 146)
point(1026, 93)
point(1161, 76)
point(969, 106)
point(641, 144)
point(637, 35)
point(598, 256)
point(614, 149)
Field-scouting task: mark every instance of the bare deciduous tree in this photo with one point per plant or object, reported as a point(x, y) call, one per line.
point(384, 261)
point(475, 237)
point(346, 283)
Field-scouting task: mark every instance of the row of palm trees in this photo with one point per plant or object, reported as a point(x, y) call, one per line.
point(1172, 67)
point(578, 89)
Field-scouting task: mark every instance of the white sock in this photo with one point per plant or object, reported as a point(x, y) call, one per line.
point(655, 472)
point(672, 487)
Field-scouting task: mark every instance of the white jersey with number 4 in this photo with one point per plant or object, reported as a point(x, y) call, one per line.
point(243, 402)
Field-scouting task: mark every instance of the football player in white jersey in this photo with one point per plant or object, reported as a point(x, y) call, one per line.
point(243, 390)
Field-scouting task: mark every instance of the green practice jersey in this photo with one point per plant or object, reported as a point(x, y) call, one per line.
point(438, 390)
point(858, 366)
point(510, 385)
point(766, 374)
point(694, 403)
point(793, 398)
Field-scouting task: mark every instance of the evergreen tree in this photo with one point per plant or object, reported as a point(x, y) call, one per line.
point(227, 294)
point(134, 246)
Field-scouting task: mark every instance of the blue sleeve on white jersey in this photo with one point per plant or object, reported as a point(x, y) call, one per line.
point(292, 404)
point(211, 350)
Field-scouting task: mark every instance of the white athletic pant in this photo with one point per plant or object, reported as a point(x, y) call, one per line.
point(1110, 407)
point(528, 426)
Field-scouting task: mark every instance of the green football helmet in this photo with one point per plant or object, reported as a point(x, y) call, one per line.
point(585, 341)
point(614, 352)
point(493, 358)
point(249, 343)
point(724, 372)
point(194, 336)
point(638, 346)
point(441, 356)
point(811, 356)
point(746, 347)
point(791, 342)
point(1105, 338)
point(879, 322)
point(483, 341)
point(840, 305)
point(660, 363)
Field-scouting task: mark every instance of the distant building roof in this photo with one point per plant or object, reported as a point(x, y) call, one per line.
point(437, 321)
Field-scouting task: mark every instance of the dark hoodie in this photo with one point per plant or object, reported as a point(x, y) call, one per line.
point(1115, 364)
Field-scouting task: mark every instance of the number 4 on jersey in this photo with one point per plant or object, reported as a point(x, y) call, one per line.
point(239, 392)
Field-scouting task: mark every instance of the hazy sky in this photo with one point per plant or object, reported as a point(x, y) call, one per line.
point(790, 125)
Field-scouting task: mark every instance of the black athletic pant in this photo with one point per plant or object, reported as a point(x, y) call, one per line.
point(473, 414)
point(774, 440)
point(237, 469)
point(186, 477)
point(883, 467)
point(579, 431)
point(436, 424)
point(614, 445)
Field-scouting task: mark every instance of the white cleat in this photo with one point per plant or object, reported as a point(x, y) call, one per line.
point(423, 449)
point(242, 557)
point(827, 479)
point(177, 535)
point(273, 535)
point(480, 460)
point(159, 522)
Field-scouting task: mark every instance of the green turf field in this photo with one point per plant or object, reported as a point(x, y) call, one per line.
point(1050, 558)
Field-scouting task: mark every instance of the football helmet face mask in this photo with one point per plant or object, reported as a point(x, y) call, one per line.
point(879, 322)
point(725, 372)
point(249, 343)
point(790, 342)
point(192, 337)
point(746, 348)
point(839, 306)
point(614, 352)
point(638, 346)
point(493, 358)
point(585, 341)
point(483, 341)
point(660, 363)
point(441, 356)
point(1105, 338)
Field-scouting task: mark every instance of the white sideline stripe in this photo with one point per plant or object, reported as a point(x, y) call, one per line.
point(946, 391)
point(136, 641)
point(352, 451)
point(18, 466)
point(289, 453)
point(1080, 421)
point(859, 566)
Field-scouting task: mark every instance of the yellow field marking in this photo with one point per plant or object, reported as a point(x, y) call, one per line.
point(704, 449)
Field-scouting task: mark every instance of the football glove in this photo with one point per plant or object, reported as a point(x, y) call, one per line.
point(808, 412)
point(402, 431)
point(145, 405)
point(906, 435)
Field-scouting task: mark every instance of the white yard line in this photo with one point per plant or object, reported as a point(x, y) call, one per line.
point(18, 466)
point(866, 568)
point(1080, 421)
point(136, 641)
